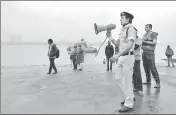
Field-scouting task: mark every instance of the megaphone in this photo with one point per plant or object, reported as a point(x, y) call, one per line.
point(100, 28)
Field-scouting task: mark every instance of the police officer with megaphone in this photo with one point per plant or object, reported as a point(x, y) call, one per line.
point(125, 57)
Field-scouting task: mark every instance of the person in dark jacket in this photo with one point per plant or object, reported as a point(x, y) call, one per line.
point(52, 55)
point(169, 53)
point(109, 52)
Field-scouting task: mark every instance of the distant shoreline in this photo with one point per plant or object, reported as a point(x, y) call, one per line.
point(41, 43)
point(67, 43)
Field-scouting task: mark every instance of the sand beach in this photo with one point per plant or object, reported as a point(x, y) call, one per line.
point(29, 90)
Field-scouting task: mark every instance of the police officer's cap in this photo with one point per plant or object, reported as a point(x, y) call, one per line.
point(127, 15)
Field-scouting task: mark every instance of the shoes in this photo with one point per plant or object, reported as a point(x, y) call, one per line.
point(49, 73)
point(157, 85)
point(107, 69)
point(122, 103)
point(125, 109)
point(55, 73)
point(146, 83)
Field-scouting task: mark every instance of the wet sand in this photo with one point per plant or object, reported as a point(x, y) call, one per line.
point(29, 90)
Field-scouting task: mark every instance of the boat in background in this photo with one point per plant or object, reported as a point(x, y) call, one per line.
point(85, 47)
point(88, 49)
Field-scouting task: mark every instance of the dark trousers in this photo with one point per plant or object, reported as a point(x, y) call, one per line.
point(108, 61)
point(149, 65)
point(137, 80)
point(169, 59)
point(52, 65)
point(74, 63)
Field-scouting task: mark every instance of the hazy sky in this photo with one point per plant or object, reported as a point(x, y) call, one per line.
point(73, 20)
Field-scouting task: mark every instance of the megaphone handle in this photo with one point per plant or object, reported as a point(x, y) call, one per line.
point(100, 46)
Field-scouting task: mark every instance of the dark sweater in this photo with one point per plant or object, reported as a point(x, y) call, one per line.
point(109, 50)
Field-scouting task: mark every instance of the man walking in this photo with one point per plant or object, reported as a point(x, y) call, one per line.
point(149, 42)
point(137, 79)
point(125, 59)
point(52, 55)
point(109, 52)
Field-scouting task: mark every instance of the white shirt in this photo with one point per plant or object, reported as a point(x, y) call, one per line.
point(123, 37)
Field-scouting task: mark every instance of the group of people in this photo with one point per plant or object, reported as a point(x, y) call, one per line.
point(127, 56)
point(128, 72)
point(77, 57)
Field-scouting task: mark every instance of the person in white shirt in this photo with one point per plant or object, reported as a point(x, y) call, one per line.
point(125, 59)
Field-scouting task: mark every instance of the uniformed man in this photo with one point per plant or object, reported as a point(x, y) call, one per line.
point(125, 59)
point(149, 42)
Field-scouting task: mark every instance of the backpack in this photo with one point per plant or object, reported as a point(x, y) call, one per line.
point(57, 53)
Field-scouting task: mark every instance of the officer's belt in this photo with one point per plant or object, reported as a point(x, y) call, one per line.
point(130, 53)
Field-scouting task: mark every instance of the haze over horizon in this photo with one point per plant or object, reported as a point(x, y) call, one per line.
point(69, 21)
